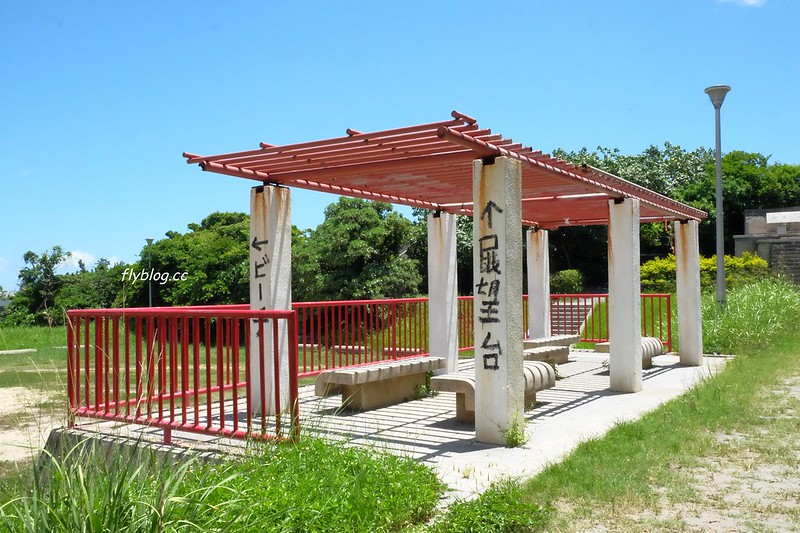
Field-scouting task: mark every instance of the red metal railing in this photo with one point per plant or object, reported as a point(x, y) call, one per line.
point(583, 314)
point(183, 368)
point(347, 333)
point(587, 315)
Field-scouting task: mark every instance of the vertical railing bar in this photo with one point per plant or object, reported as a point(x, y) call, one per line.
point(247, 377)
point(294, 406)
point(221, 370)
point(263, 373)
point(127, 366)
point(98, 362)
point(115, 363)
point(70, 364)
point(139, 366)
point(185, 336)
point(106, 364)
point(276, 374)
point(209, 381)
point(235, 376)
point(196, 369)
point(172, 371)
point(162, 364)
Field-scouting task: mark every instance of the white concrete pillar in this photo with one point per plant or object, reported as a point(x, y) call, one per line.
point(270, 288)
point(497, 261)
point(624, 296)
point(538, 284)
point(443, 289)
point(690, 320)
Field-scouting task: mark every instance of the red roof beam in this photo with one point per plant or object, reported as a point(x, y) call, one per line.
point(401, 150)
point(270, 148)
point(487, 149)
point(363, 143)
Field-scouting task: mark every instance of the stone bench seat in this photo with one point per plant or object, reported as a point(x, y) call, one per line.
point(651, 347)
point(378, 384)
point(552, 355)
point(552, 340)
point(538, 377)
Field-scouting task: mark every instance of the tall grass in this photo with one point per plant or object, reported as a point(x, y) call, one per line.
point(754, 316)
point(310, 486)
point(85, 490)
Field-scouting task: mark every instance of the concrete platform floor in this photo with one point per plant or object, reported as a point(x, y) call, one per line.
point(578, 408)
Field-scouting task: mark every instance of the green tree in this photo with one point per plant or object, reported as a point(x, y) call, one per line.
point(34, 302)
point(91, 289)
point(358, 252)
point(749, 181)
point(214, 256)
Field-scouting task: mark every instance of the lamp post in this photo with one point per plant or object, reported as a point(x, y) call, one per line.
point(717, 94)
point(149, 265)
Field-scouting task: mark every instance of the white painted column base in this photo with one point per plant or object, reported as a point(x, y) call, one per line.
point(624, 296)
point(687, 274)
point(538, 284)
point(270, 288)
point(443, 289)
point(497, 261)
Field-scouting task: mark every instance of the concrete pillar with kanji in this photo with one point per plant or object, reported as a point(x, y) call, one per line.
point(690, 320)
point(443, 288)
point(624, 296)
point(270, 248)
point(497, 262)
point(538, 260)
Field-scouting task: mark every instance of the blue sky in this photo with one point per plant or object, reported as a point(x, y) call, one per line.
point(100, 99)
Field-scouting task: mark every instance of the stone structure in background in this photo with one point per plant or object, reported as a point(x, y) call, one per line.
point(774, 234)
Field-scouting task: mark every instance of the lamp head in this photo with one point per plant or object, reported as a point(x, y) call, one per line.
point(149, 241)
point(717, 94)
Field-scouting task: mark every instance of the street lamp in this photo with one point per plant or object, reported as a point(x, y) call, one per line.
point(717, 94)
point(149, 265)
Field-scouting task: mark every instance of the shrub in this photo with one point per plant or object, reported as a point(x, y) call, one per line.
point(658, 275)
point(756, 314)
point(566, 282)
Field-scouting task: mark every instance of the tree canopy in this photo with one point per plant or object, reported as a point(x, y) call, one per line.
point(358, 252)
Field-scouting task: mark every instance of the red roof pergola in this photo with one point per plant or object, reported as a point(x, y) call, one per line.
point(430, 166)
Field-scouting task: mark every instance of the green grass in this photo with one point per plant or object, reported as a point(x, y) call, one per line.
point(637, 464)
point(16, 338)
point(310, 486)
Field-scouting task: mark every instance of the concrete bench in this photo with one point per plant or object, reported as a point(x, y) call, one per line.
point(551, 355)
point(379, 384)
point(651, 347)
point(538, 377)
point(553, 340)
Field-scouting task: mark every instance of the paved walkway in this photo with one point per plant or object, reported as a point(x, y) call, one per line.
point(578, 408)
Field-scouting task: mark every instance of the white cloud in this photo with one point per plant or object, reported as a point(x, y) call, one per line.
point(748, 3)
point(89, 260)
point(71, 263)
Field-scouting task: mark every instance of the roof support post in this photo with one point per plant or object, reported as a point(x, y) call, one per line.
point(443, 288)
point(687, 274)
point(497, 262)
point(270, 248)
point(624, 296)
point(538, 260)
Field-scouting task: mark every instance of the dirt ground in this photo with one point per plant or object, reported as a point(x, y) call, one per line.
point(24, 426)
point(753, 486)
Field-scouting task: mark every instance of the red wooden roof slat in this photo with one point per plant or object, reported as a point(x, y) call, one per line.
point(430, 165)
